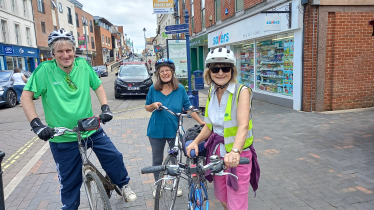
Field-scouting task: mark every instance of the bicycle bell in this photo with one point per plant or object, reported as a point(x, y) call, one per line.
point(214, 158)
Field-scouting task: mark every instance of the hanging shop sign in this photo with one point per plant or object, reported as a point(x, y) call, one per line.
point(272, 23)
point(176, 49)
point(82, 42)
point(163, 7)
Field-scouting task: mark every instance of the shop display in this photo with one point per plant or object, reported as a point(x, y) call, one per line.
point(246, 74)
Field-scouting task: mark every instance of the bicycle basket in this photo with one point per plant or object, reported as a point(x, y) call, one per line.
point(191, 134)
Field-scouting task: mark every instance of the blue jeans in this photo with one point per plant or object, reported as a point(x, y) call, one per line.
point(18, 89)
point(69, 166)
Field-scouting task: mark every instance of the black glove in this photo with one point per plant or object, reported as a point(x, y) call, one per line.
point(106, 115)
point(44, 132)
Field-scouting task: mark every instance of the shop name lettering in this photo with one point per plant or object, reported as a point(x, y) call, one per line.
point(272, 22)
point(163, 4)
point(222, 38)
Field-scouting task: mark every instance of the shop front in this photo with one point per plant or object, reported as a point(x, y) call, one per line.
point(12, 56)
point(199, 50)
point(268, 54)
point(45, 54)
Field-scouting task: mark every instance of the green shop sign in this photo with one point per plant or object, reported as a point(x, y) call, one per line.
point(199, 41)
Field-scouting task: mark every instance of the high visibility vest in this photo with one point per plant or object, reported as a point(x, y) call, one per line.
point(230, 121)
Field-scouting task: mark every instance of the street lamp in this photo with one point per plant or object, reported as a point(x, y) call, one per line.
point(145, 45)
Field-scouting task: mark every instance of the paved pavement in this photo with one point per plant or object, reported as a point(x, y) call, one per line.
point(308, 161)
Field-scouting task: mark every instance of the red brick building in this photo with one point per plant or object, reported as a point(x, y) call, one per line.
point(103, 41)
point(85, 25)
point(338, 64)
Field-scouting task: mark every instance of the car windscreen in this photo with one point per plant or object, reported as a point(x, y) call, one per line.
point(135, 70)
point(4, 76)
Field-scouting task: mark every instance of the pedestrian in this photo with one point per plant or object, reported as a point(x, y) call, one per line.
point(63, 85)
point(162, 125)
point(228, 129)
point(19, 83)
point(149, 61)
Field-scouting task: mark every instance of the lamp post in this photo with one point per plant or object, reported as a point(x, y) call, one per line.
point(145, 45)
point(85, 36)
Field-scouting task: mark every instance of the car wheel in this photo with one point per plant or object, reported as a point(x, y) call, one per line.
point(117, 96)
point(11, 98)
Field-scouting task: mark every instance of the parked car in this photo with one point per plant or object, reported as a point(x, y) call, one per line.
point(8, 95)
point(132, 80)
point(103, 70)
point(98, 72)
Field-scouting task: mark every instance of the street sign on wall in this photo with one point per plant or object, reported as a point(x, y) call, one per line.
point(178, 53)
point(176, 27)
point(163, 6)
point(177, 32)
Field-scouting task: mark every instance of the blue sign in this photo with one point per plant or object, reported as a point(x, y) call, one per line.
point(222, 38)
point(8, 50)
point(176, 27)
point(178, 32)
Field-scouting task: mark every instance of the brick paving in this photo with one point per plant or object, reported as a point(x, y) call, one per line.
point(308, 161)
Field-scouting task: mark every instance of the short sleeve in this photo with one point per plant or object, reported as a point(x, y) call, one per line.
point(149, 99)
point(95, 82)
point(37, 81)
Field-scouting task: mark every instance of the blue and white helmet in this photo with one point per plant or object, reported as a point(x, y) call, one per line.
point(60, 34)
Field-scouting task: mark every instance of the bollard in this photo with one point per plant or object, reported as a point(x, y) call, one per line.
point(2, 201)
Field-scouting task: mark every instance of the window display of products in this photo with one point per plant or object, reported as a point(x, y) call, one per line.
point(273, 69)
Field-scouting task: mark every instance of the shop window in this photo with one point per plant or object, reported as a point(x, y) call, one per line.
point(274, 65)
point(4, 32)
point(17, 35)
point(21, 63)
point(43, 27)
point(9, 62)
point(246, 64)
point(239, 5)
point(40, 4)
point(217, 9)
point(2, 67)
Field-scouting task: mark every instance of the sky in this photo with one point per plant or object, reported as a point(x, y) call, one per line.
point(133, 15)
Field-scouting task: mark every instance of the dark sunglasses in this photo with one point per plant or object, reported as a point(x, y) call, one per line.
point(215, 70)
point(70, 83)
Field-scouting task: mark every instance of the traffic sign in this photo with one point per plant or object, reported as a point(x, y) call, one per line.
point(177, 32)
point(176, 27)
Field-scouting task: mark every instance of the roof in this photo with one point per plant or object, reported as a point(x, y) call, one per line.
point(102, 20)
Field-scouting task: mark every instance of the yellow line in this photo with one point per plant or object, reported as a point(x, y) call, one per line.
point(18, 153)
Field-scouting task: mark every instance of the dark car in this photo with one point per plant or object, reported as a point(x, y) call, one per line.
point(103, 70)
point(132, 80)
point(98, 72)
point(8, 95)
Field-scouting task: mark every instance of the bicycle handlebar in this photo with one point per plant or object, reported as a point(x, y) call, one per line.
point(153, 169)
point(191, 109)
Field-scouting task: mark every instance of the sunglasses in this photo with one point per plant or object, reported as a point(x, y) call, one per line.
point(215, 70)
point(70, 83)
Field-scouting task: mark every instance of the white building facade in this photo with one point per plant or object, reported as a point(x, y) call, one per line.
point(164, 20)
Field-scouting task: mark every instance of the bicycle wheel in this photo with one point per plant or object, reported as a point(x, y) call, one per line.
point(166, 190)
point(96, 194)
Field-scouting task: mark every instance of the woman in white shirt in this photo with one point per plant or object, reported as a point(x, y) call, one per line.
point(19, 83)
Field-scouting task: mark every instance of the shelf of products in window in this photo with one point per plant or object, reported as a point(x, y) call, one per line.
point(272, 76)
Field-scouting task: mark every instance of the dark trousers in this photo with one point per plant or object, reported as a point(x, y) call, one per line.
point(69, 166)
point(158, 146)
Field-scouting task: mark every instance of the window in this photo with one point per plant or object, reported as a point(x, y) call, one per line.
point(24, 8)
point(239, 5)
point(92, 42)
point(108, 41)
point(28, 37)
point(192, 17)
point(70, 18)
point(4, 33)
point(16, 30)
point(88, 39)
point(14, 7)
point(91, 27)
point(2, 4)
point(103, 39)
point(40, 6)
point(43, 27)
point(60, 7)
point(77, 36)
point(203, 13)
point(55, 28)
point(217, 9)
point(77, 19)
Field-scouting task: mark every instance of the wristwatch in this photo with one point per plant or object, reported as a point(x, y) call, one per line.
point(235, 150)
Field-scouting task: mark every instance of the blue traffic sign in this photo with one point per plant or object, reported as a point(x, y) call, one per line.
point(176, 27)
point(177, 32)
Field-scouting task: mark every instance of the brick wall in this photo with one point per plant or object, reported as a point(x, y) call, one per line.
point(310, 58)
point(99, 31)
point(209, 10)
point(46, 17)
point(349, 74)
point(251, 3)
point(80, 29)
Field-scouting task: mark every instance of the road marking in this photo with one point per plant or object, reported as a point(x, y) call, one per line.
point(19, 177)
point(18, 153)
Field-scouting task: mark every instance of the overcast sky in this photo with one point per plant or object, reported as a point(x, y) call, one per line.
point(133, 15)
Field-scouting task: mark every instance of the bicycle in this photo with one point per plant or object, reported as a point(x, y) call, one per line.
point(196, 178)
point(167, 186)
point(97, 186)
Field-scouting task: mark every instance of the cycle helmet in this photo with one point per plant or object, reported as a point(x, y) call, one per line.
point(60, 34)
point(220, 55)
point(164, 62)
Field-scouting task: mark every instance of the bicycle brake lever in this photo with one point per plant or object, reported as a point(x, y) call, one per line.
point(225, 173)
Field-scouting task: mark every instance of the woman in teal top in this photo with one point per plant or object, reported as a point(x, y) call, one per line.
point(162, 126)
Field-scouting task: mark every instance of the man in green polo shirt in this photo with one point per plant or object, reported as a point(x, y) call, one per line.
point(64, 84)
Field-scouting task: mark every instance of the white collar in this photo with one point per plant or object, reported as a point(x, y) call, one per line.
point(230, 88)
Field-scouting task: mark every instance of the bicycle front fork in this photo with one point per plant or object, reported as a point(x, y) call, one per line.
point(197, 199)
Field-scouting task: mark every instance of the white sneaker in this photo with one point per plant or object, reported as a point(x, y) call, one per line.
point(154, 193)
point(128, 194)
point(179, 191)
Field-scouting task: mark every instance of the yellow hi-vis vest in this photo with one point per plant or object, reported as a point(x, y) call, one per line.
point(230, 123)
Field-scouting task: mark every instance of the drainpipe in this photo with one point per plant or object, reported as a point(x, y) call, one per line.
point(302, 60)
point(311, 87)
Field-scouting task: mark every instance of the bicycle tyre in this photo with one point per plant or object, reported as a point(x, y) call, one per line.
point(166, 194)
point(97, 197)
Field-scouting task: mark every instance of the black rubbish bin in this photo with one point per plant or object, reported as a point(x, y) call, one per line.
point(2, 202)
